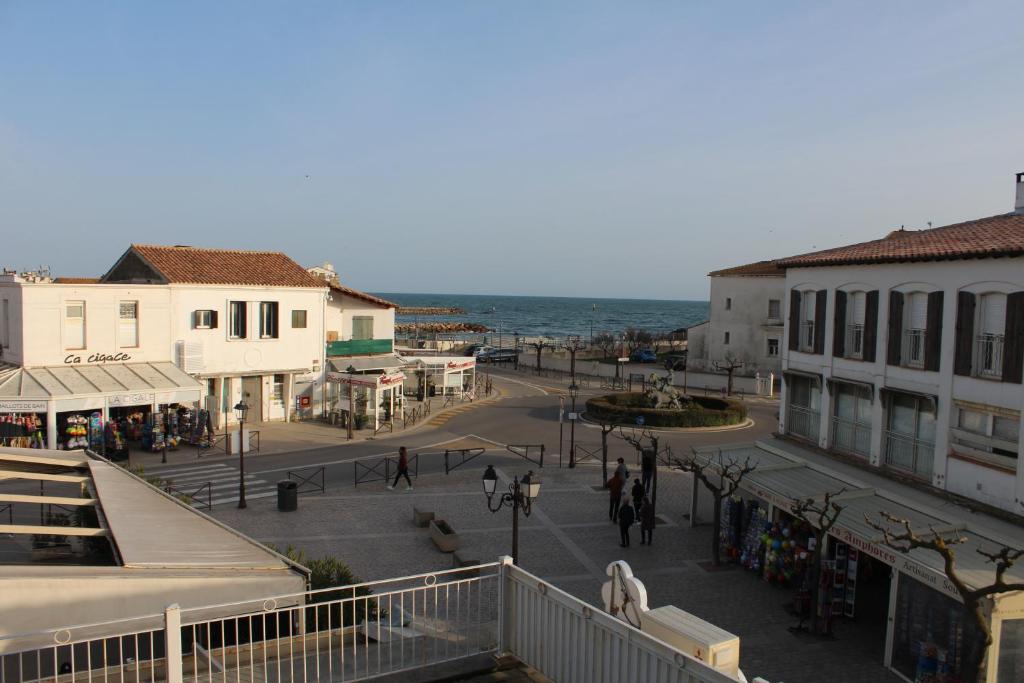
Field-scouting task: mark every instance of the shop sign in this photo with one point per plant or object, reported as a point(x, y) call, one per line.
point(388, 380)
point(20, 406)
point(75, 359)
point(130, 400)
point(765, 494)
point(456, 365)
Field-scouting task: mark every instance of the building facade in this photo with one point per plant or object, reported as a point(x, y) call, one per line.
point(907, 353)
point(745, 323)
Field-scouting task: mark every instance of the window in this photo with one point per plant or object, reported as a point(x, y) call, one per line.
point(728, 303)
point(773, 347)
point(278, 389)
point(128, 324)
point(910, 436)
point(5, 325)
point(299, 319)
point(204, 320)
point(268, 320)
point(225, 396)
point(726, 338)
point(807, 322)
point(856, 305)
point(239, 328)
point(774, 309)
point(991, 324)
point(915, 324)
point(74, 325)
point(362, 327)
point(982, 432)
point(851, 418)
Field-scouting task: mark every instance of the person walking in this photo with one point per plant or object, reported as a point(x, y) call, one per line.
point(637, 493)
point(647, 468)
point(622, 470)
point(614, 486)
point(646, 522)
point(403, 470)
point(626, 519)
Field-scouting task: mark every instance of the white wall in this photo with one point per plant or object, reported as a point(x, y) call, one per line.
point(977, 276)
point(39, 338)
point(746, 321)
point(342, 308)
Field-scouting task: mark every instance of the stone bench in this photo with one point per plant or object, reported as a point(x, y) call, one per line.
point(421, 518)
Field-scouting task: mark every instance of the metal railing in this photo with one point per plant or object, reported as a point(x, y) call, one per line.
point(532, 452)
point(368, 470)
point(803, 422)
point(851, 437)
point(807, 336)
point(456, 458)
point(907, 453)
point(307, 479)
point(201, 497)
point(360, 632)
point(913, 349)
point(989, 355)
point(854, 341)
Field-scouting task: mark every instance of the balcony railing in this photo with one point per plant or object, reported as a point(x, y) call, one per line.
point(361, 632)
point(807, 336)
point(803, 422)
point(912, 354)
point(904, 452)
point(854, 341)
point(851, 437)
point(989, 355)
point(359, 347)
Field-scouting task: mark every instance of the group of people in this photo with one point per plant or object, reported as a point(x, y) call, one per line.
point(628, 510)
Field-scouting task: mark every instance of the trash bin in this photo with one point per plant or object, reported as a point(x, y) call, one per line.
point(287, 495)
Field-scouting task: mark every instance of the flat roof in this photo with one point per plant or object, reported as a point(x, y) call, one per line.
point(65, 381)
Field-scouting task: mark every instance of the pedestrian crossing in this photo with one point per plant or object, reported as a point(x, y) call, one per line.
point(191, 478)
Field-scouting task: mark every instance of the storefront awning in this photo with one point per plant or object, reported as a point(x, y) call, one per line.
point(29, 389)
point(857, 383)
point(366, 363)
point(813, 376)
point(373, 381)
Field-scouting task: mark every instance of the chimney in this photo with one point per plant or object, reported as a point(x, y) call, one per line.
point(1018, 206)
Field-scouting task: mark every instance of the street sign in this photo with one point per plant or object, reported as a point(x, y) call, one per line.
point(574, 416)
point(640, 420)
point(624, 360)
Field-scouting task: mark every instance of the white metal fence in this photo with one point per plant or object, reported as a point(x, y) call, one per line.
point(907, 453)
point(356, 633)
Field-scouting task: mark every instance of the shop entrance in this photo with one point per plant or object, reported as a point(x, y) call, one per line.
point(252, 394)
point(867, 601)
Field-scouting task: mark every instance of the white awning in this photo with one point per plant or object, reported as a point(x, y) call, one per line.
point(27, 389)
point(386, 361)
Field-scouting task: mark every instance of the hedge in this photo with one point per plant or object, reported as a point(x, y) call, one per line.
point(703, 411)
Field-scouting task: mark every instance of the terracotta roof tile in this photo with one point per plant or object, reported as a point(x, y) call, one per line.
point(1001, 235)
point(759, 269)
point(348, 291)
point(194, 265)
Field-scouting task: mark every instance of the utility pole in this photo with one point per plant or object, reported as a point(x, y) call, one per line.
point(573, 343)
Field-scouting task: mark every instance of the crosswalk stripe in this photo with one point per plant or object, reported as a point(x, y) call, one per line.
point(185, 468)
point(223, 482)
point(248, 496)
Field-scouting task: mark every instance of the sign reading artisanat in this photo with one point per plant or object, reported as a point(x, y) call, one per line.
point(75, 359)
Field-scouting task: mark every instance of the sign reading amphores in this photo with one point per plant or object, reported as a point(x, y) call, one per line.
point(75, 359)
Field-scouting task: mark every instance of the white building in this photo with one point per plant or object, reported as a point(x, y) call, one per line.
point(907, 353)
point(745, 320)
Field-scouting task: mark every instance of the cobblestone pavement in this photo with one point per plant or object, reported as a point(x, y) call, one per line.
point(569, 541)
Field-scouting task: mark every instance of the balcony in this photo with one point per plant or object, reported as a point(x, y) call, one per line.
point(912, 352)
point(904, 452)
point(807, 336)
point(359, 347)
point(988, 356)
point(397, 627)
point(851, 437)
point(803, 422)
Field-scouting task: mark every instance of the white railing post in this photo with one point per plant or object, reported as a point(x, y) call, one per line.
point(172, 643)
point(504, 613)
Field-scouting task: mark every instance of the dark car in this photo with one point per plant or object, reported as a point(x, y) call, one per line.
point(498, 356)
point(643, 356)
point(676, 361)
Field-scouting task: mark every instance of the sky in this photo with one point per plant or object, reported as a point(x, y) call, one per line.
point(537, 148)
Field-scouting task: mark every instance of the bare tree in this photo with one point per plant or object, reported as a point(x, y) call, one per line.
point(606, 429)
point(606, 342)
point(899, 534)
point(729, 365)
point(821, 515)
point(637, 339)
point(722, 478)
point(637, 441)
point(540, 344)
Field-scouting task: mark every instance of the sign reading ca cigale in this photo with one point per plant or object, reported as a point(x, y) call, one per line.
point(75, 359)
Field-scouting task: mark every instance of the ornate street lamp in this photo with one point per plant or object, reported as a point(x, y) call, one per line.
point(241, 410)
point(520, 496)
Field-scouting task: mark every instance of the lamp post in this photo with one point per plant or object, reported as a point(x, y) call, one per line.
point(516, 334)
point(574, 391)
point(240, 412)
point(167, 433)
point(520, 496)
point(351, 402)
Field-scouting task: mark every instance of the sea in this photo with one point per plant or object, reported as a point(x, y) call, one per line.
point(556, 316)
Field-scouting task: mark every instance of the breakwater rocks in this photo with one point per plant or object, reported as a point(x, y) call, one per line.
point(443, 328)
point(430, 310)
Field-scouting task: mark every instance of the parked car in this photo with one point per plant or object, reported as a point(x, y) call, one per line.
point(498, 356)
point(482, 351)
point(677, 360)
point(643, 356)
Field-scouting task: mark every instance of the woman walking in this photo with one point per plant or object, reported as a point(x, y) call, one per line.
point(403, 470)
point(626, 519)
point(646, 522)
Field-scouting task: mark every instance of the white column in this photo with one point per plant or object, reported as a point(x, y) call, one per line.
point(172, 643)
point(51, 425)
point(824, 412)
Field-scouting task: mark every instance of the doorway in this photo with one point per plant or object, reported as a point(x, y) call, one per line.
point(252, 394)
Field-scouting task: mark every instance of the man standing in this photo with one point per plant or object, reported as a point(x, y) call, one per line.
point(622, 470)
point(614, 486)
point(646, 522)
point(403, 470)
point(637, 494)
point(626, 519)
point(647, 468)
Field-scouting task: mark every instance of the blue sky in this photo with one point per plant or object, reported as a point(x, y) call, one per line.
point(562, 148)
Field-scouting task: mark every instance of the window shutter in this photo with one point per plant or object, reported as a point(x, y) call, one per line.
point(213, 320)
point(794, 320)
point(839, 326)
point(933, 332)
point(870, 325)
point(895, 331)
point(820, 302)
point(1013, 339)
point(965, 305)
point(195, 319)
point(993, 314)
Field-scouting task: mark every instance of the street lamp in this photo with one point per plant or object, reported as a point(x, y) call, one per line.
point(574, 391)
point(241, 410)
point(520, 496)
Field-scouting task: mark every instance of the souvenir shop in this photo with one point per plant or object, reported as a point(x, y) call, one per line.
point(901, 606)
point(440, 375)
point(377, 397)
point(23, 423)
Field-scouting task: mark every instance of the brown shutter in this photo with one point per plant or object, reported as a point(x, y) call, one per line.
point(839, 326)
point(794, 320)
point(963, 351)
point(870, 325)
point(895, 330)
point(1013, 339)
point(933, 333)
point(213, 320)
point(195, 319)
point(820, 303)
